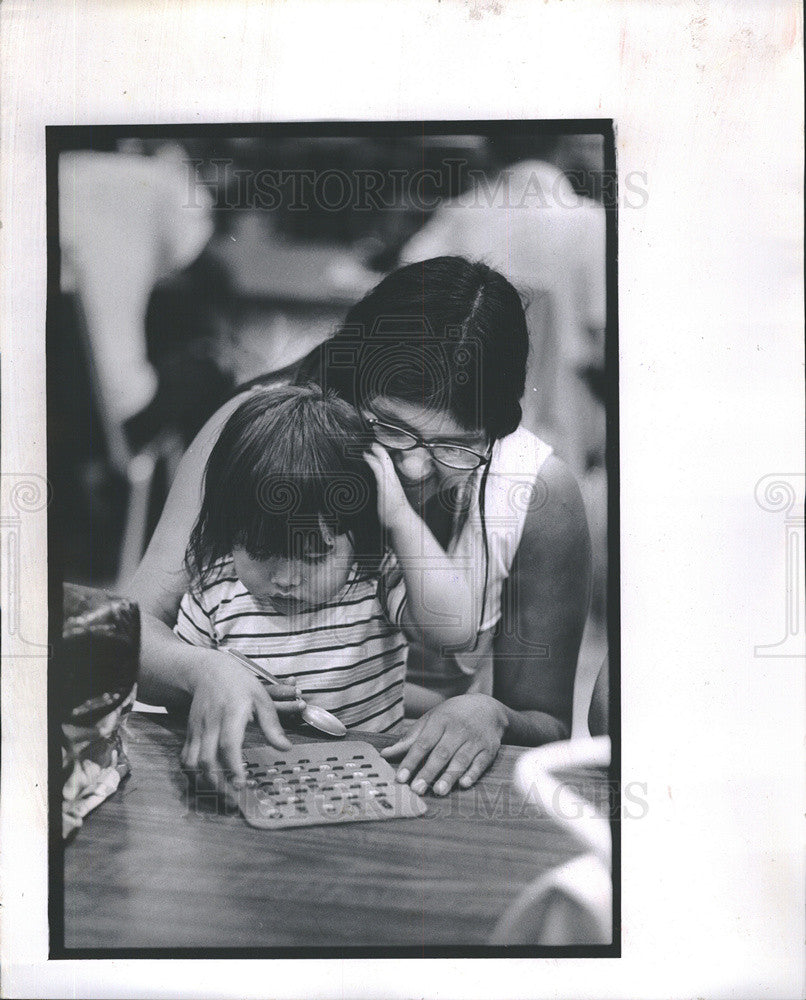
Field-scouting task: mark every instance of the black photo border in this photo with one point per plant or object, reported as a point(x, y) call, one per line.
point(60, 138)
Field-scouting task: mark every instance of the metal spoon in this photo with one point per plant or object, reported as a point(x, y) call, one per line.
point(317, 718)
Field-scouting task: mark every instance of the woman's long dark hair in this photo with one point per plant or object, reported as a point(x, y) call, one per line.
point(446, 333)
point(288, 461)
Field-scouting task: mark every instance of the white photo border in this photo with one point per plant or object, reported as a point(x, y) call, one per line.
point(708, 105)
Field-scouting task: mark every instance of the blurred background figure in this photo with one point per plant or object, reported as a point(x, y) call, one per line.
point(125, 224)
point(192, 266)
point(573, 902)
point(525, 219)
point(533, 217)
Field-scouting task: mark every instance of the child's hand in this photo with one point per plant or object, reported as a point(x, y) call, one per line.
point(393, 504)
point(224, 700)
point(286, 697)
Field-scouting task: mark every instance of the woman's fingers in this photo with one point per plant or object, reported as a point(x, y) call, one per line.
point(399, 748)
point(383, 468)
point(377, 469)
point(457, 767)
point(380, 455)
point(441, 753)
point(403, 744)
point(423, 743)
point(389, 480)
point(372, 461)
point(455, 741)
point(482, 761)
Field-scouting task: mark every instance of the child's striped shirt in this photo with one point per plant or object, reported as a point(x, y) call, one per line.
point(348, 656)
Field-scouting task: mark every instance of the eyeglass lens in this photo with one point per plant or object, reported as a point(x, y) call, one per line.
point(452, 456)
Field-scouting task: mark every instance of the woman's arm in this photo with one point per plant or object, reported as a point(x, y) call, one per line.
point(443, 602)
point(544, 613)
point(599, 711)
point(168, 665)
point(417, 700)
point(222, 698)
point(535, 654)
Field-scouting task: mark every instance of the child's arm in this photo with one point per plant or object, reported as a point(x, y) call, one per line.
point(223, 696)
point(443, 598)
point(178, 675)
point(193, 624)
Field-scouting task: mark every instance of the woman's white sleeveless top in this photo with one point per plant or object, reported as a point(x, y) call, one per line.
point(512, 483)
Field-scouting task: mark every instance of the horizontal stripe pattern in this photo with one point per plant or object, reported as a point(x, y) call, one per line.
point(348, 656)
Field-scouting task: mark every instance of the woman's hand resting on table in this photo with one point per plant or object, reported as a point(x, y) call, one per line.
point(456, 740)
point(224, 699)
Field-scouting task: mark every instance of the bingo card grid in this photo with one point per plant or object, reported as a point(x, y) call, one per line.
point(316, 783)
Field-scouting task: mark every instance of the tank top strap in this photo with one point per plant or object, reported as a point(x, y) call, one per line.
point(510, 485)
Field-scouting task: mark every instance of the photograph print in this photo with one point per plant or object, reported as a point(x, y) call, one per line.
point(333, 540)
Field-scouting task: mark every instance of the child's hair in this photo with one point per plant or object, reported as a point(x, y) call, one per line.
point(446, 333)
point(288, 461)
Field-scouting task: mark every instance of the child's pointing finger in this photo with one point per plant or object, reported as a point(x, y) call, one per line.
point(282, 692)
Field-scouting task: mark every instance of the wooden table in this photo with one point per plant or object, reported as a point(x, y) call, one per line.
point(149, 869)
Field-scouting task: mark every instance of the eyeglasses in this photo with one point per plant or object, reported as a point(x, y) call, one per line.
point(453, 456)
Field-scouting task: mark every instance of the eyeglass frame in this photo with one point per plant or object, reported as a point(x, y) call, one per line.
point(418, 442)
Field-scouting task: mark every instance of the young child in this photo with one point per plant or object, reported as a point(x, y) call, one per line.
point(288, 563)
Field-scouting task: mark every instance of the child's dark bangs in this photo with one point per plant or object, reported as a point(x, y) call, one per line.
point(294, 517)
point(263, 537)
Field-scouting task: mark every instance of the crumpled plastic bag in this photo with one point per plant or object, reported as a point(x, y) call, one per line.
point(97, 665)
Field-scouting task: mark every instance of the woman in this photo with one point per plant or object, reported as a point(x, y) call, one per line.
point(435, 359)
